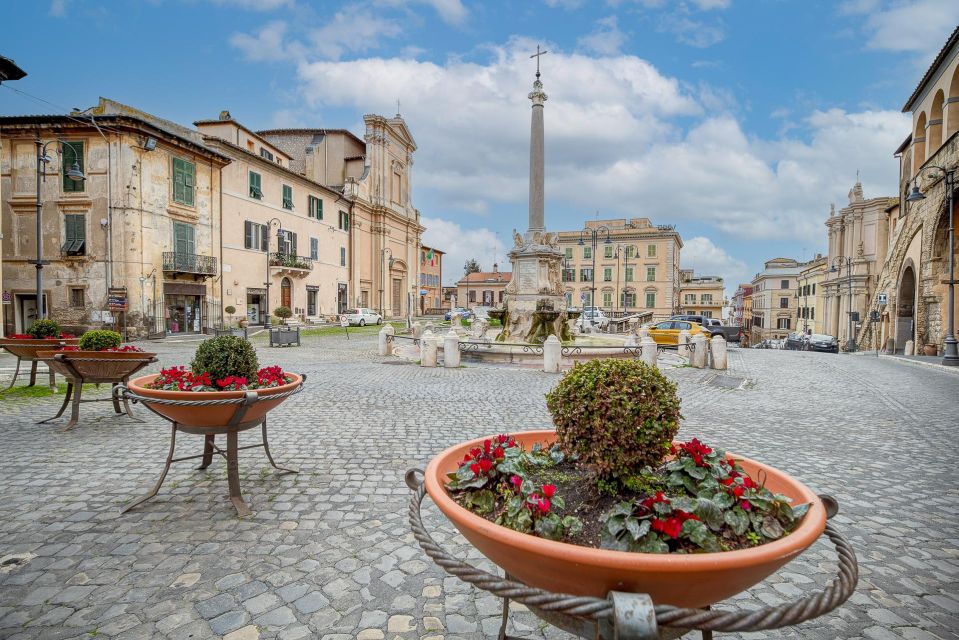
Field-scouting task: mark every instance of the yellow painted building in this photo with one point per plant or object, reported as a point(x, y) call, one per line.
point(701, 295)
point(810, 296)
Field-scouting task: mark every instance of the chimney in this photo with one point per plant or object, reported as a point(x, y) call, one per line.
point(225, 115)
point(495, 268)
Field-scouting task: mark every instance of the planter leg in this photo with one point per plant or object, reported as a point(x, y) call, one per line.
point(156, 487)
point(116, 401)
point(33, 373)
point(502, 628)
point(53, 380)
point(266, 448)
point(63, 407)
point(16, 372)
point(75, 410)
point(233, 475)
point(207, 452)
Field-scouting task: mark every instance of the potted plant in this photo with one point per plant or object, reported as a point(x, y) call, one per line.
point(98, 357)
point(42, 334)
point(609, 502)
point(229, 310)
point(283, 313)
point(223, 368)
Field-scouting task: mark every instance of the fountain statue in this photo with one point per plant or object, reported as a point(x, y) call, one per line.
point(535, 302)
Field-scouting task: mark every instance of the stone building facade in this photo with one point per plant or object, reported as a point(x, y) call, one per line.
point(374, 175)
point(430, 294)
point(637, 271)
point(773, 300)
point(272, 214)
point(701, 295)
point(858, 245)
point(911, 293)
point(737, 317)
point(483, 288)
point(809, 292)
point(144, 222)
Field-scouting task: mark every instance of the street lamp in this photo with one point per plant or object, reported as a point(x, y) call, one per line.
point(279, 235)
point(950, 357)
point(851, 344)
point(383, 253)
point(624, 249)
point(75, 174)
point(593, 234)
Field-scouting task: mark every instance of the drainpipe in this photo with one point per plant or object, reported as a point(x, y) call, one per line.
point(220, 206)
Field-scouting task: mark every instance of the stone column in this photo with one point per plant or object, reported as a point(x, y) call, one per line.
point(428, 350)
point(451, 350)
point(682, 344)
point(717, 346)
point(650, 351)
point(417, 330)
point(698, 357)
point(537, 218)
point(552, 355)
point(385, 345)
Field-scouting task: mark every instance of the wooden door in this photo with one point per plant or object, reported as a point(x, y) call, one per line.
point(395, 298)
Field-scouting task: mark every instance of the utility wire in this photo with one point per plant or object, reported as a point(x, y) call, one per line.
point(60, 108)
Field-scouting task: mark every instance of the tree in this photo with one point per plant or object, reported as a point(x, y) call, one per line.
point(471, 266)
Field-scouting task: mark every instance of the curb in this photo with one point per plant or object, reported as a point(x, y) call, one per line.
point(918, 363)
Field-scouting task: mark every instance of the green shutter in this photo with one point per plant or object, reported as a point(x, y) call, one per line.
point(287, 197)
point(184, 179)
point(184, 238)
point(255, 190)
point(75, 233)
point(71, 152)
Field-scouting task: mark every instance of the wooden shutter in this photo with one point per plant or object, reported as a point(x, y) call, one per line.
point(248, 240)
point(184, 238)
point(264, 238)
point(71, 152)
point(293, 244)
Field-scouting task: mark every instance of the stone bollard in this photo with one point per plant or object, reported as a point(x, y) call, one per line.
point(910, 348)
point(417, 330)
point(682, 344)
point(631, 341)
point(385, 342)
point(428, 350)
point(650, 351)
point(552, 355)
point(717, 347)
point(698, 356)
point(642, 332)
point(451, 350)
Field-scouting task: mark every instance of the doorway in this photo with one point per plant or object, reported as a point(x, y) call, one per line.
point(906, 309)
point(26, 310)
point(256, 306)
point(286, 293)
point(395, 297)
point(183, 314)
point(342, 300)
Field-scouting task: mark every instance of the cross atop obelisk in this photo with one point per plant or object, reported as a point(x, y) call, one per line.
point(537, 218)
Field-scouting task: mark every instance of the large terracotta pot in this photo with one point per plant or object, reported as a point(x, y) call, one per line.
point(210, 415)
point(120, 364)
point(26, 349)
point(685, 580)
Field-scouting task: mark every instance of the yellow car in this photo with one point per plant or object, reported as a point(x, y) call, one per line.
point(667, 331)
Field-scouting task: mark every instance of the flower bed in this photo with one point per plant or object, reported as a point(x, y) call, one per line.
point(181, 379)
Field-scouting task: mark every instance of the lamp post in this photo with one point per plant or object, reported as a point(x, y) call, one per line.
point(624, 249)
point(593, 235)
point(383, 253)
point(75, 174)
point(950, 357)
point(279, 234)
point(851, 341)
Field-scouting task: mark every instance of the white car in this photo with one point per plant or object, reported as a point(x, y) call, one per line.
point(593, 316)
point(362, 317)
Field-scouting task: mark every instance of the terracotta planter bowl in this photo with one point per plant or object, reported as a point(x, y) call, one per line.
point(26, 349)
point(210, 415)
point(693, 580)
point(121, 365)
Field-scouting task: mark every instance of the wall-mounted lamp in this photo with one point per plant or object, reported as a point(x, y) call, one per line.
point(150, 144)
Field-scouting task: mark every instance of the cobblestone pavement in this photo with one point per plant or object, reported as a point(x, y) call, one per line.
point(328, 553)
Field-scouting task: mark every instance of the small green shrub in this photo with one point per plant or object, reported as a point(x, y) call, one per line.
point(283, 313)
point(226, 356)
point(618, 416)
point(229, 309)
point(100, 340)
point(44, 329)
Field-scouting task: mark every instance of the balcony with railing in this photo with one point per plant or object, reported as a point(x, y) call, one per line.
point(290, 264)
point(189, 263)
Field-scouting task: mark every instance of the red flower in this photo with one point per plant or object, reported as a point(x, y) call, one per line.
point(485, 465)
point(499, 453)
point(739, 491)
point(486, 446)
point(745, 505)
point(549, 490)
point(517, 482)
point(20, 336)
point(475, 468)
point(670, 526)
point(543, 505)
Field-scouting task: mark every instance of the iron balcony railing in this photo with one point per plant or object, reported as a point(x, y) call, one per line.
point(189, 263)
point(290, 261)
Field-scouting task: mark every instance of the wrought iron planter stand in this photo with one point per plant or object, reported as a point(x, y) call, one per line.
point(634, 616)
point(27, 351)
point(64, 364)
point(231, 430)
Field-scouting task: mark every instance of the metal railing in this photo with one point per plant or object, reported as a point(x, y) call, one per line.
point(189, 263)
point(290, 261)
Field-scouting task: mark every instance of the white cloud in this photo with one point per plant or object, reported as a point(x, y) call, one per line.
point(605, 39)
point(563, 4)
point(707, 5)
point(352, 30)
point(452, 12)
point(58, 8)
point(255, 5)
point(695, 33)
point(269, 44)
point(707, 259)
point(461, 244)
point(918, 26)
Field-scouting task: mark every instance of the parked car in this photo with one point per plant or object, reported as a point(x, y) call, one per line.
point(464, 313)
point(823, 342)
point(797, 341)
point(712, 326)
point(362, 317)
point(667, 331)
point(593, 316)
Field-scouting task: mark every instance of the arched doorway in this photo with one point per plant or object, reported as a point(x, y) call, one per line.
point(286, 293)
point(906, 308)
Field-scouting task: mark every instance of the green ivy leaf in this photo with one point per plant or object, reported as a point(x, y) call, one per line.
point(771, 528)
point(572, 525)
point(637, 528)
point(549, 527)
point(700, 535)
point(709, 512)
point(558, 502)
point(800, 510)
point(737, 519)
point(482, 502)
point(651, 544)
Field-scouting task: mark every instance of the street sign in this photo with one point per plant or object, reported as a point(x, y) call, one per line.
point(873, 316)
point(423, 292)
point(7, 298)
point(582, 297)
point(117, 298)
point(344, 321)
point(855, 316)
point(883, 298)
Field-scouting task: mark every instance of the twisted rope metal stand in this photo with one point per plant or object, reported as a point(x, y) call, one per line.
point(232, 430)
point(621, 616)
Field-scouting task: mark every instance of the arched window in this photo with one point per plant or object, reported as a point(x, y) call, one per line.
point(919, 142)
point(934, 130)
point(952, 111)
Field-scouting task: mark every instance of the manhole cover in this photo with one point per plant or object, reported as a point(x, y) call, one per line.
point(726, 382)
point(395, 362)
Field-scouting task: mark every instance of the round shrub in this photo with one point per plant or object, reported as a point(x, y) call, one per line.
point(226, 356)
point(100, 340)
point(44, 329)
point(616, 415)
point(229, 309)
point(283, 313)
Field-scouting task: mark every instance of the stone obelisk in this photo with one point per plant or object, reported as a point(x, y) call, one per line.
point(535, 302)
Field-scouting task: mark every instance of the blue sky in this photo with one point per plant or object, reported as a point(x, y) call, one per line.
point(739, 121)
